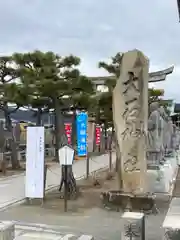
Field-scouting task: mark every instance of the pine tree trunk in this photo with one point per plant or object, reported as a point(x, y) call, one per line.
point(12, 143)
point(39, 117)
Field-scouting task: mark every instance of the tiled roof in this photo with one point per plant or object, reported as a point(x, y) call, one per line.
point(177, 108)
point(29, 116)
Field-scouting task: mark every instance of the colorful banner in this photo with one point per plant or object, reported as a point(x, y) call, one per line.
point(81, 126)
point(98, 135)
point(68, 130)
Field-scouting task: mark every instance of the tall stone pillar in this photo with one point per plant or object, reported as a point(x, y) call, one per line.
point(130, 114)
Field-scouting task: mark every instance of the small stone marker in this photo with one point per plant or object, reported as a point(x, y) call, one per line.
point(7, 231)
point(133, 226)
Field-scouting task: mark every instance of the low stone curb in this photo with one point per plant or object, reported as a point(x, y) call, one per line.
point(4, 178)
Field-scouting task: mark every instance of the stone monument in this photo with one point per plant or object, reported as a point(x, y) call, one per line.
point(130, 114)
point(177, 137)
point(141, 139)
point(164, 130)
point(155, 148)
point(162, 159)
point(168, 137)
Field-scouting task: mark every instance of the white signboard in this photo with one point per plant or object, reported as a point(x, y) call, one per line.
point(66, 155)
point(35, 162)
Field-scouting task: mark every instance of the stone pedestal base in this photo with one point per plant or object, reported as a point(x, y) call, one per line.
point(117, 200)
point(133, 226)
point(7, 231)
point(161, 180)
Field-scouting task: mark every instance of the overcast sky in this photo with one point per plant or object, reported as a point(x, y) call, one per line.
point(96, 30)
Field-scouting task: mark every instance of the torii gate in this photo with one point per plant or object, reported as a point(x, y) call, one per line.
point(160, 75)
point(157, 76)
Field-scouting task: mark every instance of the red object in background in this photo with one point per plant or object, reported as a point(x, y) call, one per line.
point(98, 135)
point(68, 130)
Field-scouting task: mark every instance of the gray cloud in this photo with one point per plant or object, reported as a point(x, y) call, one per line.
point(95, 30)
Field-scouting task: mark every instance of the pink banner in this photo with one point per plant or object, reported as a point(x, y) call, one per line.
point(68, 130)
point(98, 135)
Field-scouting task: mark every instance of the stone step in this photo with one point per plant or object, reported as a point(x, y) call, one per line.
point(11, 231)
point(50, 236)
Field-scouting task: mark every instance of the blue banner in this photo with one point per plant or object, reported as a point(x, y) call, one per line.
point(81, 127)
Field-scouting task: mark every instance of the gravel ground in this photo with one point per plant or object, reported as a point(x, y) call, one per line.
point(97, 222)
point(85, 215)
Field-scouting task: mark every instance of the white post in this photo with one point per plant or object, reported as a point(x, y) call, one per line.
point(7, 231)
point(133, 226)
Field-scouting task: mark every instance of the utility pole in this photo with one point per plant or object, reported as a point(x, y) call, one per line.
point(178, 5)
